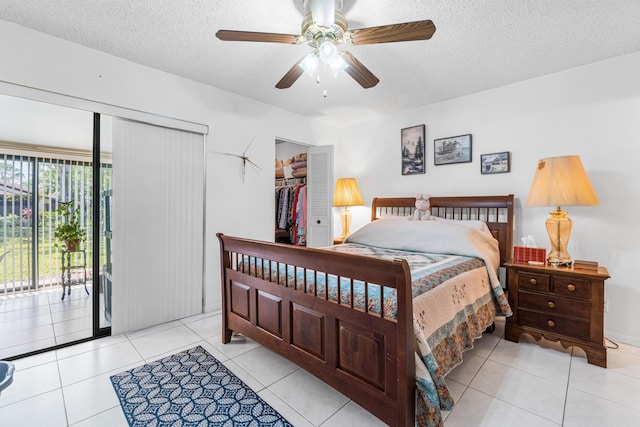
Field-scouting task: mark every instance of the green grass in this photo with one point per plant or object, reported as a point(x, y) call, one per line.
point(18, 266)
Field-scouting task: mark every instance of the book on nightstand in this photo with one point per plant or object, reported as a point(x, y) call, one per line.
point(585, 265)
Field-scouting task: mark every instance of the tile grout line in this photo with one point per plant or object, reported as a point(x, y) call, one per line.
point(566, 390)
point(504, 401)
point(64, 400)
point(467, 386)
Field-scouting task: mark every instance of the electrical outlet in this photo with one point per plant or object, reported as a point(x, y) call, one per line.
point(606, 305)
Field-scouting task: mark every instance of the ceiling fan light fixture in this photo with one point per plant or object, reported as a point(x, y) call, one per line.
point(310, 63)
point(338, 65)
point(327, 51)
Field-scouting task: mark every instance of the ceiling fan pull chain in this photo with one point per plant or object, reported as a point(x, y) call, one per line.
point(324, 81)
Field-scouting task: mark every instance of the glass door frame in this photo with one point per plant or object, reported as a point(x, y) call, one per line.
point(98, 331)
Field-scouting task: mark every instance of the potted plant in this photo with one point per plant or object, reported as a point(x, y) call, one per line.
point(69, 231)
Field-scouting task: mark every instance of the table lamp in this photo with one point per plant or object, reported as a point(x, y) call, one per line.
point(346, 194)
point(560, 181)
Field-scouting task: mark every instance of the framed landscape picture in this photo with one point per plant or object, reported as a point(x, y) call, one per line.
point(455, 149)
point(412, 146)
point(495, 163)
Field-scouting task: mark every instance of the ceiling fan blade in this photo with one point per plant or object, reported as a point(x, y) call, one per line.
point(408, 31)
point(359, 72)
point(323, 12)
point(251, 36)
point(292, 75)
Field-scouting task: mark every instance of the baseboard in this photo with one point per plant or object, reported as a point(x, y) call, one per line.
point(623, 339)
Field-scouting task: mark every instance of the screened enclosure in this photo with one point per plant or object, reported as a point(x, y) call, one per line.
point(31, 190)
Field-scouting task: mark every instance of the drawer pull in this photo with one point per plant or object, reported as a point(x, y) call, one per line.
point(533, 282)
point(551, 304)
point(551, 323)
point(571, 287)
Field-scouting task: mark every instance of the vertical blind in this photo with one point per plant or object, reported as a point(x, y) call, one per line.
point(31, 189)
point(158, 208)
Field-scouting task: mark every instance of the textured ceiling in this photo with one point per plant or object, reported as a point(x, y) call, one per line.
point(478, 45)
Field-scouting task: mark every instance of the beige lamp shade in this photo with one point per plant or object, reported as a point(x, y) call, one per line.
point(561, 181)
point(347, 193)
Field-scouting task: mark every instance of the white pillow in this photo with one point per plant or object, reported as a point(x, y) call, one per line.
point(390, 216)
point(472, 223)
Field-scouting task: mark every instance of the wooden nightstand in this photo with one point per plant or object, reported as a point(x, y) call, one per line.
point(559, 304)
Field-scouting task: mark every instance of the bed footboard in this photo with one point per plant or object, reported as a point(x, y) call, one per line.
point(271, 293)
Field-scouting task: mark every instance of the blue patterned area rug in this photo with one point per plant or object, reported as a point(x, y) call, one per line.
point(191, 388)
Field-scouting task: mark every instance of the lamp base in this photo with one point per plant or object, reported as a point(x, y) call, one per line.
point(345, 220)
point(559, 230)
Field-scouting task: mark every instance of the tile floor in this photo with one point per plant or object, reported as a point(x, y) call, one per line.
point(32, 321)
point(499, 383)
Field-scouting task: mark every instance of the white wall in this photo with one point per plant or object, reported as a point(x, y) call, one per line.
point(39, 61)
point(592, 111)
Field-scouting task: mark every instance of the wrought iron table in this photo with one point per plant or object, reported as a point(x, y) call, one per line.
point(68, 266)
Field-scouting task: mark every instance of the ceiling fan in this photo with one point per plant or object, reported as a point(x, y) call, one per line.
point(325, 29)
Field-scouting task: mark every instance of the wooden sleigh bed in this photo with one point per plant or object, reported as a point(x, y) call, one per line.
point(273, 293)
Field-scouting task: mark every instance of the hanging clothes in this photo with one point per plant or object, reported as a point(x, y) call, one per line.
point(291, 209)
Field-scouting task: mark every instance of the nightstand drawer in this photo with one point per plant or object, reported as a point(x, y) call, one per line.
point(556, 324)
point(555, 305)
point(571, 287)
point(533, 281)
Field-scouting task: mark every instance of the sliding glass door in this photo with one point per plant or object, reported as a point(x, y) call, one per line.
point(56, 173)
point(50, 184)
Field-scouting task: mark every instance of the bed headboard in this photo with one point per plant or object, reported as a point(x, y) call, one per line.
point(496, 211)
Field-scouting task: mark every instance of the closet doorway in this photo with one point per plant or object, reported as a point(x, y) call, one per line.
point(291, 193)
point(304, 194)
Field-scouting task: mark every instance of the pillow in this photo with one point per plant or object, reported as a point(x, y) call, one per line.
point(472, 223)
point(447, 237)
point(298, 165)
point(391, 216)
point(299, 173)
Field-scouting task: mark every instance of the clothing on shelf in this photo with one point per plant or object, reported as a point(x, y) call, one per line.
point(295, 167)
point(291, 211)
point(299, 165)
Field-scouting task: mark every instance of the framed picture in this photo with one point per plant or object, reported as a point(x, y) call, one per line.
point(495, 163)
point(412, 146)
point(455, 149)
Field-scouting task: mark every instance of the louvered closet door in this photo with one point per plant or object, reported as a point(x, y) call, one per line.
point(158, 209)
point(319, 196)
